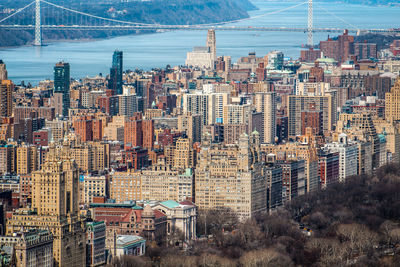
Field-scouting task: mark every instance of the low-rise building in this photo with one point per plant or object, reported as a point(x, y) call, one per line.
point(129, 219)
point(180, 215)
point(129, 245)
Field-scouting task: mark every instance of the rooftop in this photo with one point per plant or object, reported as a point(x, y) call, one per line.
point(125, 240)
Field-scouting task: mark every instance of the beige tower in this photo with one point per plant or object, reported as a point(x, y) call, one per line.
point(231, 176)
point(3, 71)
point(212, 44)
point(183, 154)
point(392, 106)
point(55, 206)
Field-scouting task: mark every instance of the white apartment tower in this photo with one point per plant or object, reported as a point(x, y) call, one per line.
point(265, 102)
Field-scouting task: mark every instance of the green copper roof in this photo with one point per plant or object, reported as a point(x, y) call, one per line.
point(170, 204)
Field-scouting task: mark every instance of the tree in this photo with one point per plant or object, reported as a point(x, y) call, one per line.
point(128, 261)
point(216, 220)
point(359, 238)
point(265, 257)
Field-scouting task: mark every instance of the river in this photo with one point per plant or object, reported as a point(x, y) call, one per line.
point(32, 64)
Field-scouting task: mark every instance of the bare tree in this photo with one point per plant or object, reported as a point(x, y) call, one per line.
point(265, 257)
point(358, 237)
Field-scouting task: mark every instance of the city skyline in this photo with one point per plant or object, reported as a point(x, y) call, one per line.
point(214, 160)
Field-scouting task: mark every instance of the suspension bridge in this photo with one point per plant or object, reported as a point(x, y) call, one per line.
point(31, 17)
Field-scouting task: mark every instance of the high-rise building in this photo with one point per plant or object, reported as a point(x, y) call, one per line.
point(216, 103)
point(62, 85)
point(3, 71)
point(274, 177)
point(115, 82)
point(346, 46)
point(161, 182)
point(330, 49)
point(8, 162)
point(328, 168)
point(148, 134)
point(266, 104)
point(313, 120)
point(95, 244)
point(310, 55)
point(192, 125)
point(27, 159)
point(204, 56)
point(305, 103)
point(6, 102)
point(232, 177)
point(90, 156)
point(128, 105)
point(365, 50)
point(212, 44)
point(196, 103)
point(392, 104)
point(183, 154)
point(6, 90)
point(298, 151)
point(340, 49)
point(84, 128)
point(55, 206)
point(237, 114)
point(348, 156)
point(133, 136)
point(274, 60)
point(293, 179)
point(126, 186)
point(232, 132)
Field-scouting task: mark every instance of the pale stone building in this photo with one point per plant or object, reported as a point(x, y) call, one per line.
point(55, 206)
point(231, 176)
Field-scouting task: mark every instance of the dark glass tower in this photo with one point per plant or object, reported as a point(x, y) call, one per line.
point(115, 82)
point(61, 84)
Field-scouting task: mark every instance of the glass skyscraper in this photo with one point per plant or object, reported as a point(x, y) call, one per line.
point(115, 82)
point(62, 83)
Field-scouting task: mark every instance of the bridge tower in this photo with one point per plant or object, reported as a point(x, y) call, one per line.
point(310, 39)
point(38, 24)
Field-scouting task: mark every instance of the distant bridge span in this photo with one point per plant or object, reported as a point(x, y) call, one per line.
point(63, 18)
point(196, 27)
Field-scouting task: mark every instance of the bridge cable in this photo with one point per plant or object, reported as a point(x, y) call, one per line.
point(19, 10)
point(93, 16)
point(161, 25)
point(339, 18)
point(263, 15)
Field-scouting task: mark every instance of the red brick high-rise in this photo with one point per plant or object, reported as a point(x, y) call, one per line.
point(310, 55)
point(148, 134)
point(330, 49)
point(133, 131)
point(83, 128)
point(341, 49)
point(346, 46)
point(316, 74)
point(261, 72)
point(97, 129)
point(313, 120)
point(365, 50)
